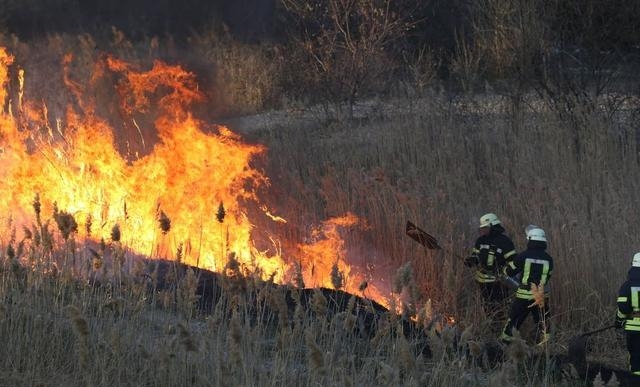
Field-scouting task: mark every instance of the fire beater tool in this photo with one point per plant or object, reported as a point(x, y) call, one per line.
point(577, 346)
point(430, 242)
point(422, 237)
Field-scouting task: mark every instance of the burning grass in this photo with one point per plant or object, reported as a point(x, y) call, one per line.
point(187, 197)
point(61, 331)
point(151, 327)
point(439, 167)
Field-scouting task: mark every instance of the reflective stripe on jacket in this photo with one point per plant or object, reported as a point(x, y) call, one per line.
point(533, 266)
point(492, 252)
point(629, 301)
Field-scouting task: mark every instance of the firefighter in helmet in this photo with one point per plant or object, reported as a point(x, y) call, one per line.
point(533, 268)
point(491, 252)
point(628, 315)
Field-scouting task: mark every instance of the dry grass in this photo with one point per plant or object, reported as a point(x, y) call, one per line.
point(446, 164)
point(59, 330)
point(440, 166)
point(445, 167)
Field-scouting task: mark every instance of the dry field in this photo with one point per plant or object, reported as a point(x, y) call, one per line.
point(441, 163)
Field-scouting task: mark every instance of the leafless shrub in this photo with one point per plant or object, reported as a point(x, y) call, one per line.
point(343, 47)
point(246, 77)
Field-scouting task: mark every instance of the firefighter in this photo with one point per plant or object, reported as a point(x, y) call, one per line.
point(628, 315)
point(532, 267)
point(491, 252)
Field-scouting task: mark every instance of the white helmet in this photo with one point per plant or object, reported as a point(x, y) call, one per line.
point(635, 262)
point(536, 234)
point(488, 220)
point(529, 228)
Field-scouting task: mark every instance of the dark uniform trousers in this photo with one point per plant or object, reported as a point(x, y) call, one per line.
point(518, 313)
point(633, 346)
point(534, 266)
point(494, 293)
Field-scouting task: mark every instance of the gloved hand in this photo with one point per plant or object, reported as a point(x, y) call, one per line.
point(470, 261)
point(619, 324)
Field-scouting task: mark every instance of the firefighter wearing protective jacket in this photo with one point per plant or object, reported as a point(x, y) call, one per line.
point(533, 267)
point(491, 252)
point(628, 316)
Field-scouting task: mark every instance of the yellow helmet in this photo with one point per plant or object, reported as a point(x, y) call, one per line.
point(488, 220)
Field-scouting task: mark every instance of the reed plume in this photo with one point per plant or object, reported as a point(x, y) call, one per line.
point(164, 221)
point(186, 338)
point(315, 355)
point(337, 277)
point(319, 303)
point(298, 278)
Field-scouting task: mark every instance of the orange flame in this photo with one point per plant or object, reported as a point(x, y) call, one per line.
point(195, 183)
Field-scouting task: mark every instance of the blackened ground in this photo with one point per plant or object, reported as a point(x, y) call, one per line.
point(370, 315)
